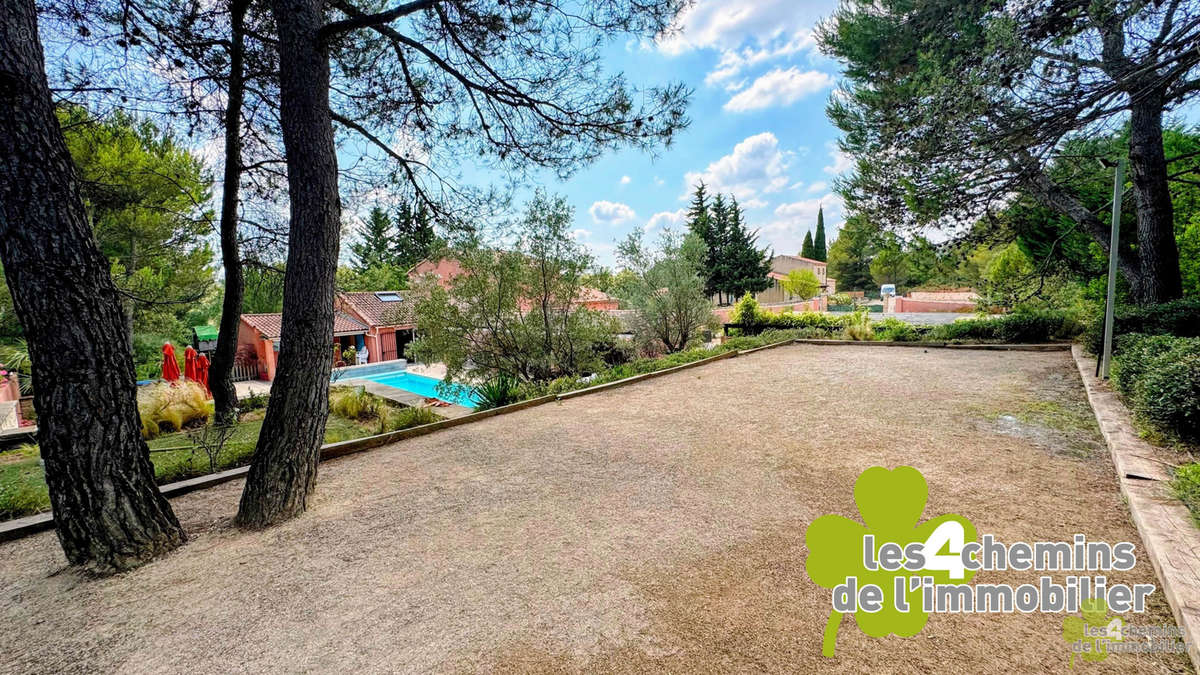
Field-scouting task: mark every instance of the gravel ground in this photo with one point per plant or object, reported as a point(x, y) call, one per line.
point(655, 527)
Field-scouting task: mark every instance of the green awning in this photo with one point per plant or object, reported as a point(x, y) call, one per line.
point(205, 333)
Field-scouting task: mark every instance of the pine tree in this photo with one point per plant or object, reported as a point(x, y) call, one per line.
point(718, 263)
point(747, 266)
point(819, 251)
point(375, 247)
point(415, 236)
point(700, 223)
point(806, 251)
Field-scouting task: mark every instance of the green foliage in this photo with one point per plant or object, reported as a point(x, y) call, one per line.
point(747, 312)
point(666, 290)
point(144, 192)
point(1018, 327)
point(254, 402)
point(890, 266)
point(806, 249)
point(1186, 486)
point(354, 403)
point(1160, 377)
point(851, 253)
point(374, 245)
point(895, 330)
point(858, 326)
point(382, 277)
point(732, 265)
point(802, 283)
point(498, 391)
point(264, 288)
point(819, 252)
point(516, 311)
point(1178, 317)
point(393, 418)
point(172, 406)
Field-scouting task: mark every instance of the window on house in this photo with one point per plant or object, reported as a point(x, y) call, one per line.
point(388, 297)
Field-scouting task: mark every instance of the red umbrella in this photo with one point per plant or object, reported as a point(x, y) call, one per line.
point(202, 374)
point(170, 371)
point(189, 363)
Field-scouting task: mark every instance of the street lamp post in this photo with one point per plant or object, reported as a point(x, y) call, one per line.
point(1114, 243)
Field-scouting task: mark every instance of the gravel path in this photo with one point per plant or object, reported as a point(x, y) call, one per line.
point(657, 526)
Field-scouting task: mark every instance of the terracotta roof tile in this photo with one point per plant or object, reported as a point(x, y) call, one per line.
point(380, 313)
point(269, 325)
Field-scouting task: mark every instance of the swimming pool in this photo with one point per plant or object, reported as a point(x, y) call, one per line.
point(424, 386)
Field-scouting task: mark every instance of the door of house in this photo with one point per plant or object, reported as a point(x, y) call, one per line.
point(387, 342)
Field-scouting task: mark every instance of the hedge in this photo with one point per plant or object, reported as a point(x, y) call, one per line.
point(1159, 376)
point(1178, 317)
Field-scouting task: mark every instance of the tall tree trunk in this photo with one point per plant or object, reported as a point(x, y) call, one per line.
point(221, 373)
point(1157, 252)
point(284, 468)
point(110, 516)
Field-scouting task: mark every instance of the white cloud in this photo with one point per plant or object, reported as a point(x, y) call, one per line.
point(841, 161)
point(581, 234)
point(625, 180)
point(666, 219)
point(730, 24)
point(786, 232)
point(611, 213)
point(734, 61)
point(779, 88)
point(755, 167)
point(819, 186)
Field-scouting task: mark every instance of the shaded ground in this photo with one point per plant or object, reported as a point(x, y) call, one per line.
point(658, 526)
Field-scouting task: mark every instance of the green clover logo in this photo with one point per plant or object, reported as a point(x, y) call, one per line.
point(1091, 633)
point(891, 504)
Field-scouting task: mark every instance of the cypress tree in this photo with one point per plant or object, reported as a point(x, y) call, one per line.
point(375, 247)
point(747, 266)
point(717, 262)
point(819, 251)
point(806, 251)
point(415, 236)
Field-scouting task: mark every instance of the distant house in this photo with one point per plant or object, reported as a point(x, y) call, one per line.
point(445, 269)
point(780, 266)
point(391, 319)
point(381, 321)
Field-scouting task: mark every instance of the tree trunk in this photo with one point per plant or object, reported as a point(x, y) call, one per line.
point(284, 468)
point(109, 514)
point(1158, 254)
point(1054, 197)
point(221, 371)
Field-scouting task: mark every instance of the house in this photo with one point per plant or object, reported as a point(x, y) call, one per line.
point(780, 266)
point(382, 321)
point(445, 269)
point(390, 317)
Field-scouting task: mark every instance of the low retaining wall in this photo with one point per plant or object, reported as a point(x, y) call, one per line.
point(900, 304)
point(1169, 537)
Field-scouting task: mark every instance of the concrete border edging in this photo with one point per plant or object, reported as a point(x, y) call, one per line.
point(1170, 538)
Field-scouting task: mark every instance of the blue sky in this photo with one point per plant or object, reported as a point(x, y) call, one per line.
point(758, 131)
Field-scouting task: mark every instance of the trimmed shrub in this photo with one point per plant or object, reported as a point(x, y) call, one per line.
point(858, 327)
point(1160, 377)
point(1186, 486)
point(1178, 317)
point(1135, 354)
point(898, 331)
point(394, 419)
point(1019, 327)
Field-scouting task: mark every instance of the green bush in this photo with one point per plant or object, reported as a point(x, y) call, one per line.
point(898, 331)
point(1178, 317)
point(858, 327)
point(1186, 486)
point(172, 406)
point(499, 391)
point(353, 403)
point(1160, 377)
point(1024, 326)
point(392, 418)
point(1135, 354)
point(254, 402)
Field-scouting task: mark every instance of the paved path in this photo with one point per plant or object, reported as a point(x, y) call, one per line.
point(658, 526)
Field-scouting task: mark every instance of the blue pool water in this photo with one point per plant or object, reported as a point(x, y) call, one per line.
point(424, 386)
